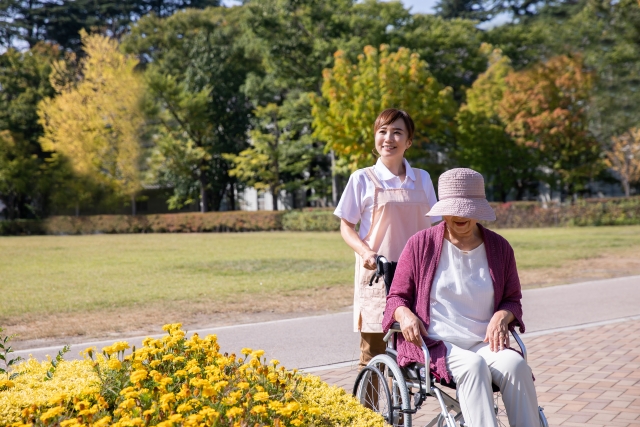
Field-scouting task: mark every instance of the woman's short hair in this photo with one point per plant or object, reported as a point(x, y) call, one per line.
point(390, 115)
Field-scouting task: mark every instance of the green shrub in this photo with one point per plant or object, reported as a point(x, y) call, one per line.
point(310, 220)
point(21, 227)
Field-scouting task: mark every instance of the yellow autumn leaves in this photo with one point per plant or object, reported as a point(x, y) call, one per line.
point(175, 381)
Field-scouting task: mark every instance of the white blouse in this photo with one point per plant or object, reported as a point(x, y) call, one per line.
point(461, 295)
point(356, 203)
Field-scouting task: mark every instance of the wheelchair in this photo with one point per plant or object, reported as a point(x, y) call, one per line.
point(397, 393)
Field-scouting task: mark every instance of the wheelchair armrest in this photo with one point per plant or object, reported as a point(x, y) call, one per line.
point(523, 349)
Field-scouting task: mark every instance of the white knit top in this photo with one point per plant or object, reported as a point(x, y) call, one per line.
point(461, 295)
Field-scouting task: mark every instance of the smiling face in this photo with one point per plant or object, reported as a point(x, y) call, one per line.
point(459, 226)
point(392, 140)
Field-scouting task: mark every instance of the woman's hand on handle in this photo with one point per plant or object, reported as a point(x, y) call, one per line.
point(412, 328)
point(498, 330)
point(348, 232)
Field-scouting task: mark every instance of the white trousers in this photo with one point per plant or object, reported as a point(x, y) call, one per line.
point(475, 367)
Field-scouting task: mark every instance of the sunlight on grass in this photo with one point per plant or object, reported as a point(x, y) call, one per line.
point(47, 274)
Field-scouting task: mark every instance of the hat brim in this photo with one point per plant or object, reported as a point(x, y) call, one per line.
point(465, 208)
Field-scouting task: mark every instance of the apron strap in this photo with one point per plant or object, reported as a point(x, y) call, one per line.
point(372, 176)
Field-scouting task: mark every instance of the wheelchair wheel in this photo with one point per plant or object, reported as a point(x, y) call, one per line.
point(501, 413)
point(372, 390)
point(398, 390)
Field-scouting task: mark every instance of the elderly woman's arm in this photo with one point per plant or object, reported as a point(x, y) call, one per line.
point(402, 296)
point(509, 311)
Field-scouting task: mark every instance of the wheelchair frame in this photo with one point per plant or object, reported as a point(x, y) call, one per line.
point(398, 384)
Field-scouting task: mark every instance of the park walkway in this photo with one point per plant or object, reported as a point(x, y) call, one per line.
point(583, 341)
point(584, 377)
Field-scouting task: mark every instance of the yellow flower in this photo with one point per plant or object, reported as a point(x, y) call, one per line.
point(175, 418)
point(261, 396)
point(181, 373)
point(114, 364)
point(274, 362)
point(103, 422)
point(243, 385)
point(6, 384)
point(70, 423)
point(209, 413)
point(258, 409)
point(229, 401)
point(234, 412)
point(296, 422)
point(185, 407)
point(128, 403)
point(155, 363)
point(257, 354)
point(246, 351)
point(51, 413)
point(139, 375)
point(58, 399)
point(168, 357)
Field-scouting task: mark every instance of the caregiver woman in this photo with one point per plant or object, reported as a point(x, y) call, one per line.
point(390, 200)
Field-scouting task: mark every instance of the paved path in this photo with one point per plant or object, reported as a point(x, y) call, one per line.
point(584, 377)
point(323, 340)
point(583, 342)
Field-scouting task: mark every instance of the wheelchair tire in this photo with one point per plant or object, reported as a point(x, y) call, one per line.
point(368, 380)
point(399, 392)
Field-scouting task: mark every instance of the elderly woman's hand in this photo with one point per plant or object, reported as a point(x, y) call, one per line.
point(412, 328)
point(498, 330)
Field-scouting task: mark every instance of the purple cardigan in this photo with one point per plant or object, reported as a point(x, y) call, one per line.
point(411, 288)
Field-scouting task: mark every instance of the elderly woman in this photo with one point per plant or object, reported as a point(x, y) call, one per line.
point(456, 287)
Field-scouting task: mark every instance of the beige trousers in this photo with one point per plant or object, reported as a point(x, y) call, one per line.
point(371, 345)
point(475, 367)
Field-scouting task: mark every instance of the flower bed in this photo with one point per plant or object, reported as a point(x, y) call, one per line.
point(174, 381)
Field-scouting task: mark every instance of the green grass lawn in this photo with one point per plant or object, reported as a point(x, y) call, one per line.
point(53, 274)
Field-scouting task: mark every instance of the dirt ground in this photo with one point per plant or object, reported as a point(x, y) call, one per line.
point(69, 328)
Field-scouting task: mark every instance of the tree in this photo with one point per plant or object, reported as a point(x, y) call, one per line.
point(96, 121)
point(354, 94)
point(545, 108)
point(33, 21)
point(623, 157)
point(281, 149)
point(483, 143)
point(195, 71)
point(25, 168)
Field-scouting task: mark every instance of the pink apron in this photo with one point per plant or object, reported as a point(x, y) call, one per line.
point(398, 214)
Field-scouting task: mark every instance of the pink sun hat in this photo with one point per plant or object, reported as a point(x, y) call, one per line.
point(461, 193)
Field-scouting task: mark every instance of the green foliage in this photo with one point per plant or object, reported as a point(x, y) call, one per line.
point(194, 78)
point(310, 220)
point(280, 150)
point(27, 173)
point(61, 22)
point(354, 94)
point(5, 351)
point(545, 109)
point(55, 362)
point(483, 143)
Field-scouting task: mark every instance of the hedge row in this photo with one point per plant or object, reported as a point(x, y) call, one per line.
point(509, 215)
point(589, 212)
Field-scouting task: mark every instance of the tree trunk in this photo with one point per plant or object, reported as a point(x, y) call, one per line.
point(133, 205)
point(627, 187)
point(203, 195)
point(274, 195)
point(232, 197)
point(334, 179)
point(77, 209)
